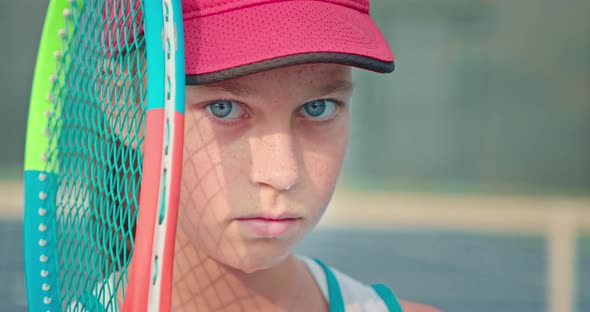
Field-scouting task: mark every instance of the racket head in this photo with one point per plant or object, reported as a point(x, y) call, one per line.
point(90, 138)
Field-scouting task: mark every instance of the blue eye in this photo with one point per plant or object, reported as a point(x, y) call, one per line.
point(225, 109)
point(319, 109)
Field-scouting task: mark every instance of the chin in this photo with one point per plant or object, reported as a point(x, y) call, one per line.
point(258, 258)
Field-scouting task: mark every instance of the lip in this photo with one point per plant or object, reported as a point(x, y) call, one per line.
point(268, 226)
point(272, 217)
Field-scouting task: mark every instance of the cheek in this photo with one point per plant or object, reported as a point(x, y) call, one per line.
point(199, 179)
point(211, 182)
point(207, 169)
point(324, 163)
point(323, 158)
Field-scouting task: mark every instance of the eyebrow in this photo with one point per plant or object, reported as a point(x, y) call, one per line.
point(233, 88)
point(240, 90)
point(336, 86)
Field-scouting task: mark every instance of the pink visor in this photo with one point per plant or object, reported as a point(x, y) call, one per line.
point(230, 38)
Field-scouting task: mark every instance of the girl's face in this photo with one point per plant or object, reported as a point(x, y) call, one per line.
point(261, 158)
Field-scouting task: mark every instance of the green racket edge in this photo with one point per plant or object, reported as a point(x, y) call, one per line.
point(40, 245)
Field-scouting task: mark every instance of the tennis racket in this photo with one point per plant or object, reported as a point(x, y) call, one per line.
point(103, 156)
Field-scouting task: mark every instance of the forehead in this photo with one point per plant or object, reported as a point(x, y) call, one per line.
point(304, 73)
point(318, 79)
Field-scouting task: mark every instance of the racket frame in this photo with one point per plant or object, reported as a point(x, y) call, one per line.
point(158, 209)
point(40, 188)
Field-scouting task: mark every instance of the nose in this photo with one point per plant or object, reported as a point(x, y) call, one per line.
point(274, 161)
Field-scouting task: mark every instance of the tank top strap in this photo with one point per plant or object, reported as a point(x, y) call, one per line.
point(388, 297)
point(334, 293)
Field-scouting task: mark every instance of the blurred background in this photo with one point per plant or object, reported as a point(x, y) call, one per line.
point(467, 184)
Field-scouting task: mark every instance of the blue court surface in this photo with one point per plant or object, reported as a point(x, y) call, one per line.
point(455, 271)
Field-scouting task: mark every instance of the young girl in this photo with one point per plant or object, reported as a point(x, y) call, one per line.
point(267, 118)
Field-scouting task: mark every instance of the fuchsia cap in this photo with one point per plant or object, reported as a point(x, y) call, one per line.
point(230, 38)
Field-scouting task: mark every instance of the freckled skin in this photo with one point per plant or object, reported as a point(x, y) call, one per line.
point(272, 159)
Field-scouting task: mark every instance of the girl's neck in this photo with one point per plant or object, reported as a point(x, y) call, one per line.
point(201, 283)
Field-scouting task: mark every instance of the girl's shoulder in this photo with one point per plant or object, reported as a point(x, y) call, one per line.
point(344, 293)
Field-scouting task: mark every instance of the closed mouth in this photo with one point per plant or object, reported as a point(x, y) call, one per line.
point(271, 217)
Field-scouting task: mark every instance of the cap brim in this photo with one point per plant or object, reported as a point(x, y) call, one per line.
point(241, 42)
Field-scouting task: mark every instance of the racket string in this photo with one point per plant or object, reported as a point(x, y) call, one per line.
point(96, 130)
